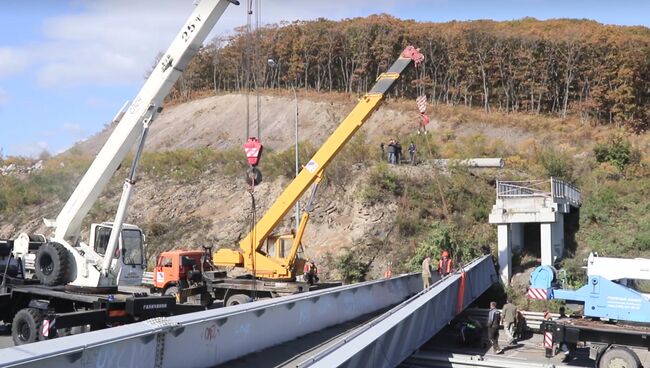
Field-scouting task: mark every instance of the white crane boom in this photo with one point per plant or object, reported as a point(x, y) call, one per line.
point(126, 133)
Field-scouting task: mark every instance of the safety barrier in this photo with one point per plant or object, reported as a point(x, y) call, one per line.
point(391, 338)
point(533, 319)
point(216, 336)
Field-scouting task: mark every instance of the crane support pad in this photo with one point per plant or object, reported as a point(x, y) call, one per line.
point(218, 335)
point(393, 337)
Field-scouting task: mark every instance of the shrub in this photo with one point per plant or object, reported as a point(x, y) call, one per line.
point(557, 164)
point(617, 151)
point(351, 268)
point(382, 185)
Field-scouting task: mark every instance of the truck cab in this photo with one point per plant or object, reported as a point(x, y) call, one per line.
point(172, 267)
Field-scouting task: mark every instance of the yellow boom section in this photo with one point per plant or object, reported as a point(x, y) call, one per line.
point(269, 267)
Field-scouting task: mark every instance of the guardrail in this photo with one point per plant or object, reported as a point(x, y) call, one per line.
point(533, 319)
point(559, 190)
point(212, 337)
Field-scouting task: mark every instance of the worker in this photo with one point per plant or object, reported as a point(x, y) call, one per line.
point(520, 326)
point(470, 332)
point(398, 152)
point(566, 347)
point(509, 320)
point(389, 272)
point(445, 264)
point(311, 272)
point(391, 151)
point(493, 323)
point(426, 272)
point(383, 151)
point(412, 153)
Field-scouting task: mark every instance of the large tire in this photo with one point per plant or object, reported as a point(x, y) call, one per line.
point(26, 326)
point(51, 264)
point(171, 291)
point(619, 357)
point(238, 299)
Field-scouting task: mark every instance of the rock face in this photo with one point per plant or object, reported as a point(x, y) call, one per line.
point(217, 210)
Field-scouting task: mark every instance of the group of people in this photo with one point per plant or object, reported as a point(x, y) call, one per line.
point(445, 267)
point(508, 317)
point(394, 151)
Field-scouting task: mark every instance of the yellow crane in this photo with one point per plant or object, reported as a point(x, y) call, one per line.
point(263, 254)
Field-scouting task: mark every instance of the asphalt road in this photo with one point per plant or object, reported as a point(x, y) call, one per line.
point(5, 337)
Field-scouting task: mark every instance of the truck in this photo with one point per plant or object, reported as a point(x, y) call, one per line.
point(268, 263)
point(615, 314)
point(76, 282)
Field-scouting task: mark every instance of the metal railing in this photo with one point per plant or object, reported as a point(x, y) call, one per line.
point(556, 189)
point(533, 319)
point(563, 190)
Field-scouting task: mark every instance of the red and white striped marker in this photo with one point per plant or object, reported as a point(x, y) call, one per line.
point(45, 329)
point(422, 103)
point(538, 294)
point(548, 340)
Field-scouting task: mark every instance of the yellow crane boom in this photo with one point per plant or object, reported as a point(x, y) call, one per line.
point(277, 266)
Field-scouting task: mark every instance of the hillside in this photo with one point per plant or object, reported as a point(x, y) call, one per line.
point(191, 190)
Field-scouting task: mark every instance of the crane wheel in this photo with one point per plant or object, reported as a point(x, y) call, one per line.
point(51, 264)
point(253, 175)
point(619, 356)
point(26, 326)
point(238, 299)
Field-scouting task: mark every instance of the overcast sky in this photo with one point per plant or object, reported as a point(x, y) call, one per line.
point(66, 67)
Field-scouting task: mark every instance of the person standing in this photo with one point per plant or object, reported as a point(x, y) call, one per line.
point(391, 151)
point(445, 264)
point(426, 272)
point(509, 320)
point(383, 153)
point(493, 323)
point(398, 153)
point(412, 153)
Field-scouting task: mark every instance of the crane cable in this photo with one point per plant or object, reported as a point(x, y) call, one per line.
point(420, 90)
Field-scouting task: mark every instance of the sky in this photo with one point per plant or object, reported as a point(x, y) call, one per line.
point(67, 66)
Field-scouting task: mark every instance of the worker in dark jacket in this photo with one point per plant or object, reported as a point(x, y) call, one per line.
point(445, 264)
point(493, 323)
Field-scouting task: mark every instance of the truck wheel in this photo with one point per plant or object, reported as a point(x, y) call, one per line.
point(26, 326)
point(51, 264)
point(171, 291)
point(238, 299)
point(619, 357)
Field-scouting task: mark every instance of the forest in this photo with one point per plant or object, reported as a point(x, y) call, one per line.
point(599, 73)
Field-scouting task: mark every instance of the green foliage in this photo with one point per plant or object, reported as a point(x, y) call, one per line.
point(383, 184)
point(351, 267)
point(181, 164)
point(617, 151)
point(557, 164)
point(275, 164)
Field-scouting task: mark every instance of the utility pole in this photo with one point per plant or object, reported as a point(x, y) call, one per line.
point(295, 98)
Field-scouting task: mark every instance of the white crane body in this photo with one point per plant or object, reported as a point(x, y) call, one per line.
point(87, 266)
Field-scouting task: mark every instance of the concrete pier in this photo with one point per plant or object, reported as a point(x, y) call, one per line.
point(545, 202)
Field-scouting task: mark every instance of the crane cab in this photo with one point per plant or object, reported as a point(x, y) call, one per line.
point(129, 254)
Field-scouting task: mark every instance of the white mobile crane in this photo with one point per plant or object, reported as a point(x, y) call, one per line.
point(63, 262)
point(64, 258)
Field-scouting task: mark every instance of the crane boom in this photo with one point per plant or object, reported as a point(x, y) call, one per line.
point(126, 133)
point(313, 169)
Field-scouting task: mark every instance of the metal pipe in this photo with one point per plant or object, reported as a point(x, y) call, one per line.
point(497, 163)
